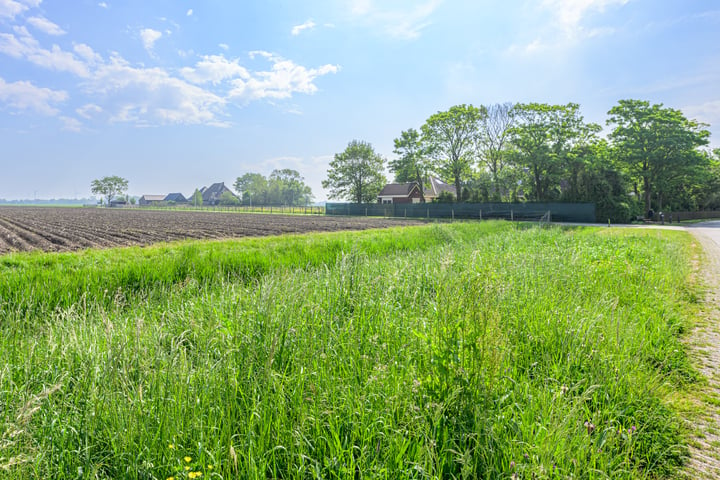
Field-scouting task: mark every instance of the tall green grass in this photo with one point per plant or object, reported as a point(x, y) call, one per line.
point(450, 351)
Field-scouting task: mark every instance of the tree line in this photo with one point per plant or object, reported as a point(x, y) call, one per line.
point(653, 158)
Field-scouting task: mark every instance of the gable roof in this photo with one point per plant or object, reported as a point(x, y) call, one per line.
point(153, 198)
point(175, 197)
point(437, 186)
point(398, 189)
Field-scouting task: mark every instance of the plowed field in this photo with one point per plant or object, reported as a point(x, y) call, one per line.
point(65, 229)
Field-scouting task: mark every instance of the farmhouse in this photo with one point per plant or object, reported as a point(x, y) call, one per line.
point(211, 195)
point(410, 192)
point(147, 200)
point(175, 198)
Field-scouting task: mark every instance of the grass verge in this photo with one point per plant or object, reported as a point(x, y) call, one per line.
point(457, 350)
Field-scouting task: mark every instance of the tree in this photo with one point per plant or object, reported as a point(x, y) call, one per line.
point(492, 143)
point(253, 187)
point(451, 138)
point(546, 140)
point(356, 173)
point(657, 145)
point(109, 187)
point(412, 165)
point(196, 199)
point(228, 199)
point(290, 186)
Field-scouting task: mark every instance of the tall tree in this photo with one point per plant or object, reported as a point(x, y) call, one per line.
point(492, 143)
point(412, 164)
point(291, 187)
point(109, 187)
point(356, 174)
point(196, 200)
point(544, 140)
point(656, 144)
point(451, 138)
point(253, 187)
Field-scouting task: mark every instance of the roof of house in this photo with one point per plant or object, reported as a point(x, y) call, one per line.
point(397, 189)
point(437, 186)
point(214, 191)
point(175, 197)
point(153, 198)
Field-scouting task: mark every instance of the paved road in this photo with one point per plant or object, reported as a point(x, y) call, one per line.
point(704, 344)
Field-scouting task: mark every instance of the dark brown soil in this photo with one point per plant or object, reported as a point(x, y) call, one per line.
point(59, 229)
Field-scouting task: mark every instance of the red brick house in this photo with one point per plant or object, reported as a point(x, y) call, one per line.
point(410, 193)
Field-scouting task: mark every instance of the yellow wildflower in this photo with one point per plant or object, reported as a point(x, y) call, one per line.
point(210, 467)
point(188, 459)
point(171, 446)
point(187, 468)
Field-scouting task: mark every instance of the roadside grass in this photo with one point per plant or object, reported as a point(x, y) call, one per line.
point(466, 350)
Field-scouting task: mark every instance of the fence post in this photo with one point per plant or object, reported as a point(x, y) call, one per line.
point(428, 214)
point(366, 211)
point(452, 214)
point(511, 215)
point(481, 214)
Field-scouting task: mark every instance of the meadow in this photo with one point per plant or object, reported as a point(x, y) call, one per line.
point(463, 350)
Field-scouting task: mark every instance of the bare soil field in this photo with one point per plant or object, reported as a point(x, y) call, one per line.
point(56, 229)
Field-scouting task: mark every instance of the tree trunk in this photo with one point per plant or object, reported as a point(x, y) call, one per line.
point(648, 193)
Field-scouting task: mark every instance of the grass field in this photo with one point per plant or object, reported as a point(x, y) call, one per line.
point(466, 350)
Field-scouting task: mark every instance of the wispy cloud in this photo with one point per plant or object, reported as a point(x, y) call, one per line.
point(71, 124)
point(103, 5)
point(45, 26)
point(224, 46)
point(707, 112)
point(563, 23)
point(405, 23)
point(22, 96)
point(308, 25)
point(149, 37)
point(189, 12)
point(13, 8)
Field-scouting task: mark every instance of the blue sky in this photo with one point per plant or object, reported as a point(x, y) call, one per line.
point(177, 94)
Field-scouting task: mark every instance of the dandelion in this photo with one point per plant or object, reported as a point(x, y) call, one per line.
point(188, 459)
point(171, 446)
point(170, 478)
point(187, 468)
point(210, 467)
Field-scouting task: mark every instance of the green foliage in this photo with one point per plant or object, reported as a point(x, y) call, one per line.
point(109, 187)
point(356, 174)
point(658, 147)
point(451, 137)
point(228, 199)
point(283, 187)
point(413, 164)
point(547, 142)
point(490, 351)
point(197, 198)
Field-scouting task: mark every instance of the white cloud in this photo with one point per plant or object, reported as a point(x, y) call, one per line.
point(13, 8)
point(87, 53)
point(189, 13)
point(708, 112)
point(103, 5)
point(308, 25)
point(224, 46)
point(149, 37)
point(150, 96)
point(25, 46)
point(570, 15)
point(406, 23)
point(214, 69)
point(45, 26)
point(89, 110)
point(284, 79)
point(26, 96)
point(71, 124)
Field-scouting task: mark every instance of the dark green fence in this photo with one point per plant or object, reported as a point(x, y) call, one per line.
point(557, 212)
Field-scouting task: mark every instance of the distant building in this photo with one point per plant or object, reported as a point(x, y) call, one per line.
point(410, 192)
point(175, 198)
point(211, 195)
point(147, 200)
